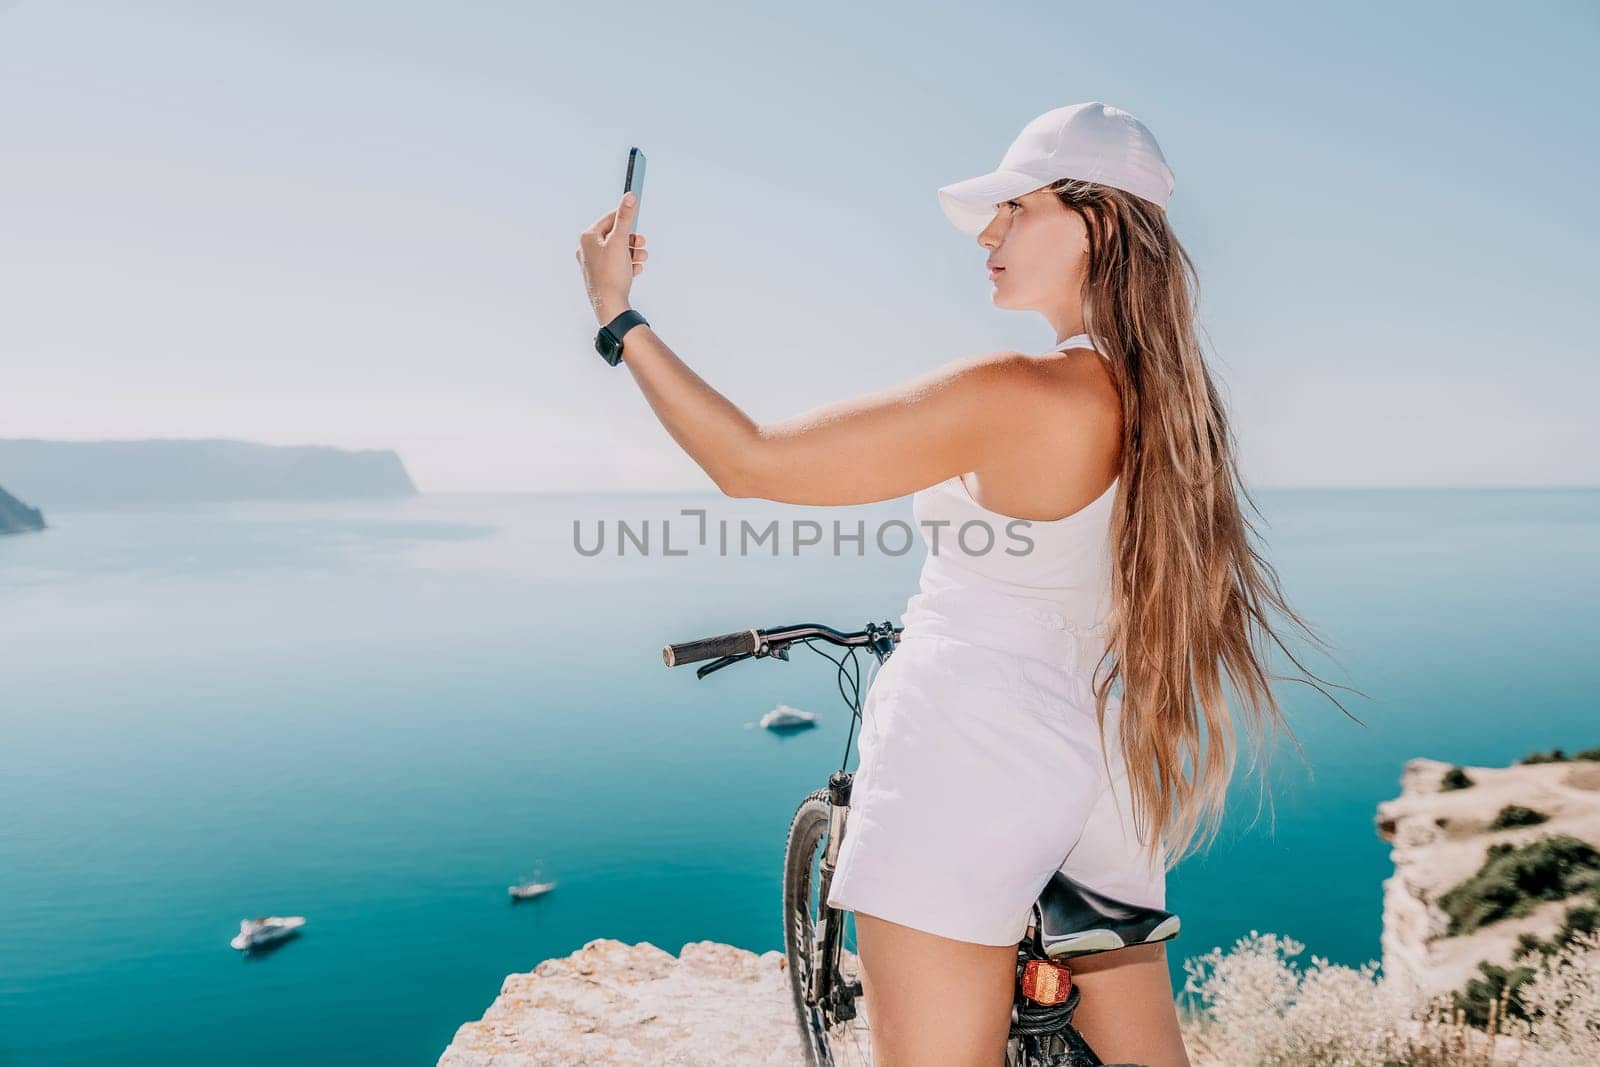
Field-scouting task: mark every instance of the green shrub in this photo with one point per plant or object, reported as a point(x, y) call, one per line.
point(1556, 755)
point(1454, 778)
point(1474, 999)
point(1479, 993)
point(1517, 815)
point(1512, 879)
point(1580, 919)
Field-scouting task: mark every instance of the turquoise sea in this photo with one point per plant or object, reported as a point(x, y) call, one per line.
point(379, 713)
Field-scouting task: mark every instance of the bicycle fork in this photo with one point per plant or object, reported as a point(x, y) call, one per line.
point(840, 1003)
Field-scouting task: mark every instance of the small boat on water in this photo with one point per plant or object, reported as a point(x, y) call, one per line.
point(265, 929)
point(783, 717)
point(526, 888)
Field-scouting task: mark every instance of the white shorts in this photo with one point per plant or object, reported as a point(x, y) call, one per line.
point(981, 775)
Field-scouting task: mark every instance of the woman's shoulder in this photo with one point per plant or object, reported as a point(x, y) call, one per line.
point(1061, 399)
point(1073, 415)
point(1077, 384)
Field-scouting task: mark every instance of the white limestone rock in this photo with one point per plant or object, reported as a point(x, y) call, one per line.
point(618, 1004)
point(1440, 838)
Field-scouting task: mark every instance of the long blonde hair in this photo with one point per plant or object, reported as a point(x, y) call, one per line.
point(1191, 597)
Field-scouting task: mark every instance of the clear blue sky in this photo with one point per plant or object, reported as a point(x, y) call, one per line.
point(354, 223)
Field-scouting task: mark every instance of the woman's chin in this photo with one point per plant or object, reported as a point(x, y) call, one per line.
point(999, 296)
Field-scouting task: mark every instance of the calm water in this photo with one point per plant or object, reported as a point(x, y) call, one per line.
point(379, 714)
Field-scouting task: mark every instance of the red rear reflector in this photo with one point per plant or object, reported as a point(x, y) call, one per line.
point(1046, 981)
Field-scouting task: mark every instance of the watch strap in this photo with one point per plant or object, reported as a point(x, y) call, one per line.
point(608, 342)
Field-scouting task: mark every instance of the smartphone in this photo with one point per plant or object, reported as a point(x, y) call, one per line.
point(634, 183)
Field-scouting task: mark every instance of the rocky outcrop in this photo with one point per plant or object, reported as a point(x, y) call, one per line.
point(137, 474)
point(1441, 837)
point(618, 1004)
point(15, 516)
point(712, 1005)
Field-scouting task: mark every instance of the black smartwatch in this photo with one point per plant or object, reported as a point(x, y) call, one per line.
point(608, 342)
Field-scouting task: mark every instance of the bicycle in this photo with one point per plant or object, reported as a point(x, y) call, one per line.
point(1068, 920)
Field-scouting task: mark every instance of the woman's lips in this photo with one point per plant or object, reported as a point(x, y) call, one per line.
point(994, 272)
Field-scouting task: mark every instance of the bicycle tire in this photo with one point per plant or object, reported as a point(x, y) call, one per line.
point(826, 1043)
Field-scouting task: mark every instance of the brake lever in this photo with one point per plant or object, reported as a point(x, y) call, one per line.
point(718, 664)
point(771, 651)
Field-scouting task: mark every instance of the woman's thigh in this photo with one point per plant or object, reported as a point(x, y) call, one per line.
point(934, 1000)
point(1126, 1012)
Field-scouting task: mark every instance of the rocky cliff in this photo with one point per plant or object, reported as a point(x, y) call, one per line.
point(621, 1004)
point(1442, 837)
point(15, 516)
point(712, 1005)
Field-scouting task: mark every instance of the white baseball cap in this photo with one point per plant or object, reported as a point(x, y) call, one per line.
point(1092, 141)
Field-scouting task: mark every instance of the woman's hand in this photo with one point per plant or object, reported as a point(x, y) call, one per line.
point(611, 257)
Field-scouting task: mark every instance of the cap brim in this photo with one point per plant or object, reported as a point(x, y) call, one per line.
point(970, 204)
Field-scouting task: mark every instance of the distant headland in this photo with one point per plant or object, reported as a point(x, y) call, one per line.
point(16, 517)
point(132, 474)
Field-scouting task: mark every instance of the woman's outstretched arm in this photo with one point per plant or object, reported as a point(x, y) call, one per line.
point(969, 415)
point(965, 416)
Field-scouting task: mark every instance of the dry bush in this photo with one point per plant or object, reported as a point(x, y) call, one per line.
point(1256, 1007)
point(1564, 1000)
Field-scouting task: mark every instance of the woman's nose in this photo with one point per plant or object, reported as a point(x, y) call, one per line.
point(991, 232)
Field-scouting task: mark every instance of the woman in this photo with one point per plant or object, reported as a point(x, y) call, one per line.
point(993, 750)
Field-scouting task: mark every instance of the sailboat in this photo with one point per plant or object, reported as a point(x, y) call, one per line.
point(526, 889)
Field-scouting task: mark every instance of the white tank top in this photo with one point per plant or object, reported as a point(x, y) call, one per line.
point(1029, 586)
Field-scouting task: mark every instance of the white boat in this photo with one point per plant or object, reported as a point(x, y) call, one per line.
point(265, 929)
point(784, 717)
point(525, 890)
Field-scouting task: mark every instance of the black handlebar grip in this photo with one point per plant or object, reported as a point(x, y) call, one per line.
point(743, 641)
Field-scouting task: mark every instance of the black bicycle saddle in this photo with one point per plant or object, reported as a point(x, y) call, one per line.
point(1074, 920)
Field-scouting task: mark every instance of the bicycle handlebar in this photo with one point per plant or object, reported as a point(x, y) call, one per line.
point(739, 642)
point(743, 644)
